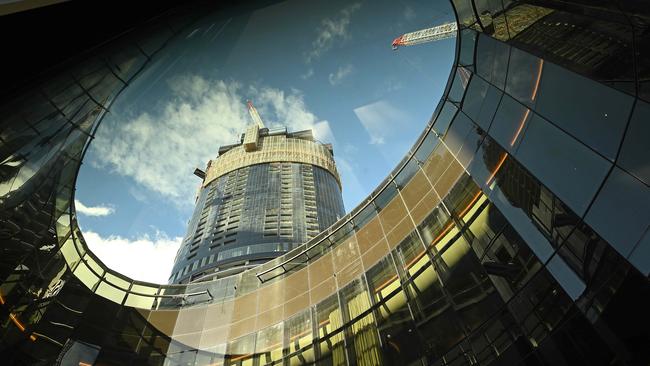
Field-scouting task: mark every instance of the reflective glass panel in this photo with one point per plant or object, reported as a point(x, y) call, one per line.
point(524, 76)
point(510, 123)
point(636, 149)
point(492, 60)
point(594, 113)
point(621, 212)
point(568, 168)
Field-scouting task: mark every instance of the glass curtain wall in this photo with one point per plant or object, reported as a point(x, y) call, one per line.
point(514, 231)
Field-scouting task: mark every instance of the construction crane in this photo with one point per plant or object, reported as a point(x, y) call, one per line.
point(436, 33)
point(254, 115)
point(251, 137)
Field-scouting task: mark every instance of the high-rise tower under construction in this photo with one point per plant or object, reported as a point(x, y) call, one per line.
point(259, 198)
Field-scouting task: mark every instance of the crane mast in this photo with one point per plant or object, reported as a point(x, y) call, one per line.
point(254, 115)
point(252, 136)
point(436, 33)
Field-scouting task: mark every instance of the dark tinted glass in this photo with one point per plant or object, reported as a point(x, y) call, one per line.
point(461, 79)
point(481, 101)
point(474, 97)
point(594, 113)
point(524, 75)
point(444, 118)
point(621, 212)
point(566, 167)
point(510, 123)
point(126, 62)
point(488, 107)
point(640, 257)
point(642, 42)
point(501, 196)
point(464, 12)
point(462, 138)
point(386, 196)
point(492, 60)
point(429, 143)
point(636, 146)
point(367, 214)
point(406, 174)
point(467, 44)
point(568, 279)
point(475, 289)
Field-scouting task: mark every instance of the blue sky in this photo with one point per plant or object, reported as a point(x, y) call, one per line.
point(324, 65)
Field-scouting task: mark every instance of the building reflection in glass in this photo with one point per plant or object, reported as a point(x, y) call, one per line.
point(492, 243)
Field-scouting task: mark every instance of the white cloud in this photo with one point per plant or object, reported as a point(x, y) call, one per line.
point(138, 194)
point(392, 85)
point(160, 150)
point(145, 258)
point(379, 119)
point(331, 31)
point(340, 74)
point(289, 109)
point(93, 210)
point(307, 74)
point(323, 132)
point(350, 149)
point(409, 13)
point(352, 186)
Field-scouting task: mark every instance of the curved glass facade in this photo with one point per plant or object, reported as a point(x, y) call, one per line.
point(515, 231)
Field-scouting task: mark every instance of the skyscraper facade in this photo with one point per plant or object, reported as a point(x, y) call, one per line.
point(259, 199)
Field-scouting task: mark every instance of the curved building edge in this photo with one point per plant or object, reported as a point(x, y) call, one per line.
point(469, 252)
